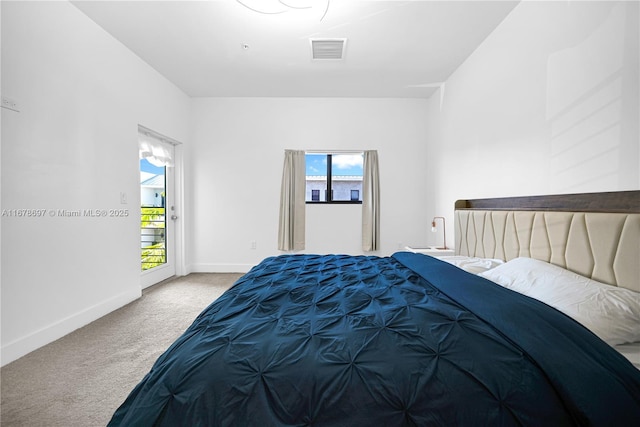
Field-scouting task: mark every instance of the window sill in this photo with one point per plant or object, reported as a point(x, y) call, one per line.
point(335, 202)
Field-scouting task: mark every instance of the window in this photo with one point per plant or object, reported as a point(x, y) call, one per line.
point(337, 176)
point(152, 220)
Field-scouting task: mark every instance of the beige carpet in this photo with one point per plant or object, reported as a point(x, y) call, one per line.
point(83, 377)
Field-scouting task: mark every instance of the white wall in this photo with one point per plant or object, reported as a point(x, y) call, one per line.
point(72, 146)
point(235, 174)
point(548, 104)
point(1, 205)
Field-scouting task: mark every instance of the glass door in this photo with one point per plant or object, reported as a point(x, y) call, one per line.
point(157, 219)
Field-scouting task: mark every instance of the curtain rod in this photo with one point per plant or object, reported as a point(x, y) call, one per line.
point(158, 136)
point(334, 151)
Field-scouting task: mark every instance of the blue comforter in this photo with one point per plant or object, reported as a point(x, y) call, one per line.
point(369, 341)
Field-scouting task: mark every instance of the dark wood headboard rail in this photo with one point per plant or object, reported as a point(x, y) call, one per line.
point(615, 201)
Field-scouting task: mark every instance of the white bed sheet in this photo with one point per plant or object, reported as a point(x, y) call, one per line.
point(610, 312)
point(474, 265)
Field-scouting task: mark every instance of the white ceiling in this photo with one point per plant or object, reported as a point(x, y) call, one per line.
point(222, 48)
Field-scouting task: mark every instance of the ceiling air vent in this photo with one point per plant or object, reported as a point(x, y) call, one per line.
point(328, 48)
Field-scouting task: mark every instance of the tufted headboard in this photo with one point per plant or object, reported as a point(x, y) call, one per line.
point(596, 235)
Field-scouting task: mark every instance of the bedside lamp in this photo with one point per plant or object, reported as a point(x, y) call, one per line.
point(444, 231)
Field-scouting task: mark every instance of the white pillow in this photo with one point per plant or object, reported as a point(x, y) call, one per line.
point(610, 312)
point(473, 265)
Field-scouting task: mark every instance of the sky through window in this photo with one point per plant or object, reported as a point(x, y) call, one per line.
point(343, 164)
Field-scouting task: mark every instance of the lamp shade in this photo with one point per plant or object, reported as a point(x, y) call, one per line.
point(444, 231)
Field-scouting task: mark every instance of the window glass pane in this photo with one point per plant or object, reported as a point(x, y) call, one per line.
point(346, 176)
point(152, 220)
point(345, 183)
point(316, 171)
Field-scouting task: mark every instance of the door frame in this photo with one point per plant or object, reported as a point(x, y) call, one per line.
point(178, 200)
point(158, 274)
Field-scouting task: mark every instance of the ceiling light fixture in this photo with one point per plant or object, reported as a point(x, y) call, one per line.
point(282, 7)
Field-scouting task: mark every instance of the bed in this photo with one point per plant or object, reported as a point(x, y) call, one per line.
point(408, 339)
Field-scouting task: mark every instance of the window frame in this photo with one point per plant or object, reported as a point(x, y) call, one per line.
point(329, 189)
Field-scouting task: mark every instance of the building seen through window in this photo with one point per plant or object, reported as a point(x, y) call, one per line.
point(334, 177)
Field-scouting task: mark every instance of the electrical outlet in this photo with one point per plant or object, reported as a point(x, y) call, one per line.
point(254, 244)
point(10, 104)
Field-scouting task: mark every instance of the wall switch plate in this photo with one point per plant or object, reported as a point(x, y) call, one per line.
point(123, 198)
point(10, 104)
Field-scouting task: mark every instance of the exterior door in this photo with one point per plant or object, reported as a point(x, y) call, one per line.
point(157, 222)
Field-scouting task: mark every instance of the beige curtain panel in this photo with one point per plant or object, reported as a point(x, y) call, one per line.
point(292, 202)
point(370, 202)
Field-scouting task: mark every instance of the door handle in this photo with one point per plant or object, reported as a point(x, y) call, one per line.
point(174, 217)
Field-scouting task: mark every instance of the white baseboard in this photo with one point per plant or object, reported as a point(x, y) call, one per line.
point(22, 346)
point(219, 268)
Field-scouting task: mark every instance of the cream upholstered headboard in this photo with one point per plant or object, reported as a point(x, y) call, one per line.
point(596, 235)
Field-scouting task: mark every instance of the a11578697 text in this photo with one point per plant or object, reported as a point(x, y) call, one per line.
point(65, 213)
